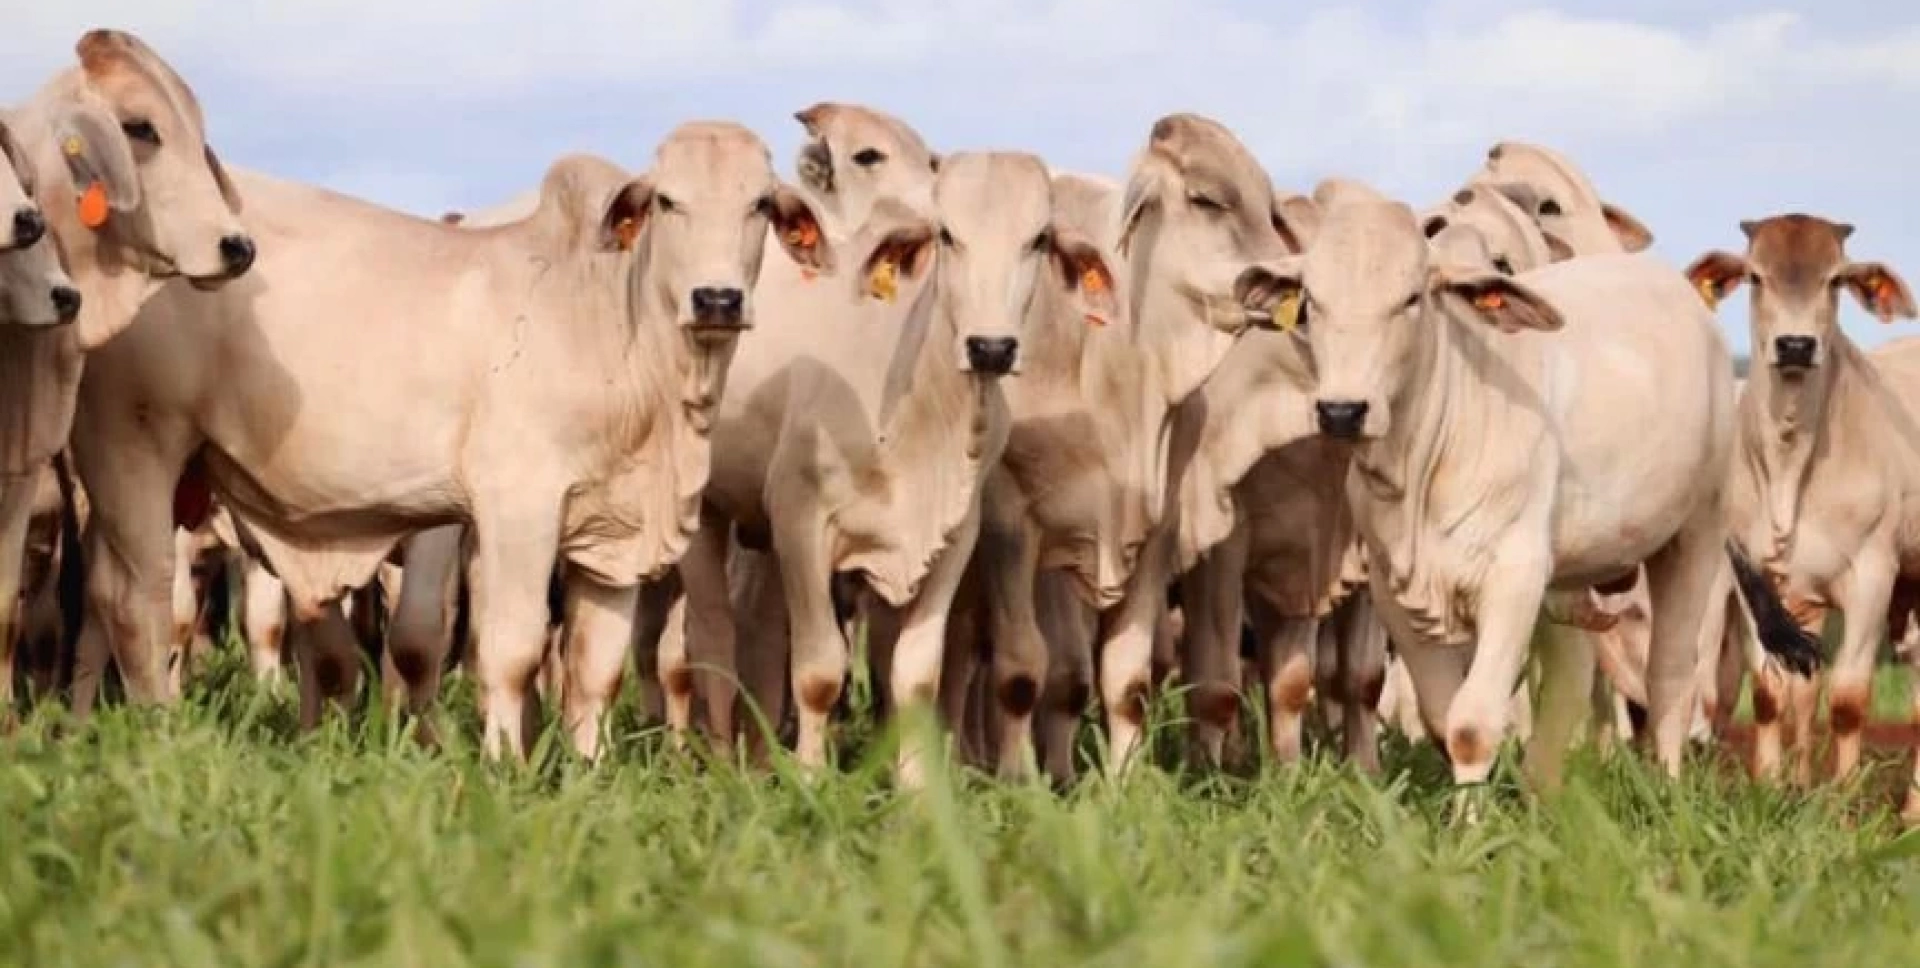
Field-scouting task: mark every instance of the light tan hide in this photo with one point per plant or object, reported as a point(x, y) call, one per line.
point(841, 456)
point(551, 381)
point(124, 124)
point(1490, 465)
point(1828, 452)
point(34, 290)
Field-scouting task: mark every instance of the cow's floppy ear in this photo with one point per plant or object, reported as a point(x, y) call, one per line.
point(1717, 274)
point(227, 192)
point(1297, 219)
point(1268, 295)
point(99, 159)
point(1880, 290)
point(905, 247)
point(1500, 300)
point(1634, 236)
point(1143, 191)
point(626, 215)
point(799, 230)
point(1084, 271)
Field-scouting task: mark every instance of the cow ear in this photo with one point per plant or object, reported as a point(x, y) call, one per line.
point(800, 232)
point(227, 191)
point(1716, 274)
point(16, 159)
point(98, 154)
point(626, 215)
point(1502, 301)
point(1297, 219)
point(1633, 236)
point(1143, 191)
point(1879, 289)
point(904, 249)
point(1084, 271)
point(1268, 295)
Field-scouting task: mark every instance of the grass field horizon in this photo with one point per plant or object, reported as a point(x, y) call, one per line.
point(214, 833)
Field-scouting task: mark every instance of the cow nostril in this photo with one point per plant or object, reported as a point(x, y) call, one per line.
point(992, 354)
point(28, 226)
point(1341, 418)
point(66, 302)
point(236, 253)
point(718, 300)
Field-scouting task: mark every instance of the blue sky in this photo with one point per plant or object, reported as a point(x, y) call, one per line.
point(1690, 114)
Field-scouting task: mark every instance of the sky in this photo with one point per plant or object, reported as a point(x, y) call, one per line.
point(1692, 115)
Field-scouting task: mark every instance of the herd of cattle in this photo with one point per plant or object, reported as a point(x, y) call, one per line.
point(1053, 442)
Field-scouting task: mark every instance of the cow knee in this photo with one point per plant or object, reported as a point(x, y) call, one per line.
point(1847, 708)
point(1215, 704)
point(1018, 694)
point(816, 693)
point(1292, 689)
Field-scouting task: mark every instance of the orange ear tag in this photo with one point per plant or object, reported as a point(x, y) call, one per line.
point(1883, 295)
point(93, 206)
point(1709, 292)
point(627, 230)
point(1092, 281)
point(1489, 300)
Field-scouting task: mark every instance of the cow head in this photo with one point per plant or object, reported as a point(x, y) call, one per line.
point(992, 231)
point(1560, 198)
point(34, 289)
point(1197, 212)
point(1795, 266)
point(855, 156)
point(698, 220)
point(1514, 241)
point(1367, 301)
point(146, 185)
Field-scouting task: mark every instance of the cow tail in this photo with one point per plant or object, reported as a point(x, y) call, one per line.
point(1780, 635)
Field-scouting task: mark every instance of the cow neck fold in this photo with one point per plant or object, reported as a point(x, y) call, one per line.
point(935, 439)
point(1390, 481)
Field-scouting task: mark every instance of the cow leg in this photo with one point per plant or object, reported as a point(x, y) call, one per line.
point(1680, 583)
point(185, 607)
point(1211, 593)
point(1567, 681)
point(760, 613)
point(919, 652)
point(1286, 653)
point(327, 655)
point(1478, 717)
point(129, 560)
point(1910, 804)
point(599, 632)
point(655, 600)
point(16, 512)
point(960, 670)
point(819, 651)
point(1126, 654)
point(420, 634)
point(707, 638)
point(263, 620)
point(1362, 659)
point(515, 541)
point(1863, 595)
point(1069, 627)
point(675, 669)
point(1005, 570)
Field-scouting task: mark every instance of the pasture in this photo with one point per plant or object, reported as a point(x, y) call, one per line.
point(215, 833)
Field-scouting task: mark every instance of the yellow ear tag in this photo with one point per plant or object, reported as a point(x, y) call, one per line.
point(1286, 312)
point(1710, 292)
point(627, 231)
point(880, 282)
point(1489, 301)
point(72, 146)
point(93, 206)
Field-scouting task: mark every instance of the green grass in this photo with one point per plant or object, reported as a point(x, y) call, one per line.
point(211, 834)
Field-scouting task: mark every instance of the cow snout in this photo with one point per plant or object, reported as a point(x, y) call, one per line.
point(1796, 351)
point(236, 254)
point(28, 226)
point(1341, 418)
point(992, 354)
point(718, 304)
point(66, 303)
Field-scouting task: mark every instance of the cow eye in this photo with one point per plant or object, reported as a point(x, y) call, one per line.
point(1042, 242)
point(1753, 279)
point(1412, 301)
point(869, 157)
point(1500, 263)
point(1205, 203)
point(1550, 207)
point(763, 206)
point(664, 203)
point(141, 131)
point(946, 237)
